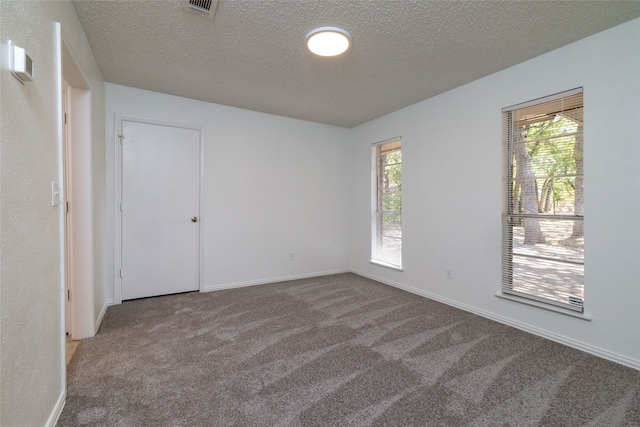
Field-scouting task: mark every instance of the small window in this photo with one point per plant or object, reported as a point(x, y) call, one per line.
point(543, 203)
point(387, 203)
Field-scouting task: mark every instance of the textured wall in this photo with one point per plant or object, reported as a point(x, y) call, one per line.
point(32, 357)
point(32, 373)
point(452, 191)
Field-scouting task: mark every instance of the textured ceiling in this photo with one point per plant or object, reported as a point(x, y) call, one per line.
point(252, 53)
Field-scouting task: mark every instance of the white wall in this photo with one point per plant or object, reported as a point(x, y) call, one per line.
point(32, 371)
point(452, 191)
point(273, 185)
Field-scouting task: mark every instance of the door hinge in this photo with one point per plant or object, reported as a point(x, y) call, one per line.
point(121, 273)
point(65, 118)
point(67, 207)
point(68, 294)
point(120, 206)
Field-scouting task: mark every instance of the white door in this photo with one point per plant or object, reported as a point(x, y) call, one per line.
point(160, 209)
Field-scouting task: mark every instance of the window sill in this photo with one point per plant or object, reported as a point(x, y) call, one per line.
point(544, 306)
point(384, 264)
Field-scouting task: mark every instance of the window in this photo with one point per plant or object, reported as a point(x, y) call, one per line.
point(386, 245)
point(543, 203)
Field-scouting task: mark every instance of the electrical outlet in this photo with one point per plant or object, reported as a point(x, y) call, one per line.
point(449, 273)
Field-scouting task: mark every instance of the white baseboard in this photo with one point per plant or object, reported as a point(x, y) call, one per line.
point(100, 317)
point(210, 288)
point(587, 348)
point(57, 410)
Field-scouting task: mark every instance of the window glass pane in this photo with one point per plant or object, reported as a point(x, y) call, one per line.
point(551, 270)
point(391, 238)
point(547, 167)
point(548, 279)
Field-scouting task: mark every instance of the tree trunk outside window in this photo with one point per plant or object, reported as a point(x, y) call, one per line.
point(578, 204)
point(529, 195)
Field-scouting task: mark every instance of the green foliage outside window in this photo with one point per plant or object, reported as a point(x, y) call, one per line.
point(551, 147)
point(392, 187)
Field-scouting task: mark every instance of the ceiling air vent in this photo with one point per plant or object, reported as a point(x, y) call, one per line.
point(203, 7)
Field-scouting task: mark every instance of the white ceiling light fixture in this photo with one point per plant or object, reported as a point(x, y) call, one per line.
point(328, 41)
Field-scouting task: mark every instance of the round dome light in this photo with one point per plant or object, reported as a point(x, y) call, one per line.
point(328, 41)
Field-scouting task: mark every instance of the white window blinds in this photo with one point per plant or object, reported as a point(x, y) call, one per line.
point(543, 203)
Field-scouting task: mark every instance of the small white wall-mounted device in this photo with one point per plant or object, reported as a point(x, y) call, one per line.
point(20, 64)
point(55, 193)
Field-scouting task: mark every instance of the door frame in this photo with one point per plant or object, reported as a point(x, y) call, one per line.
point(64, 201)
point(77, 189)
point(119, 119)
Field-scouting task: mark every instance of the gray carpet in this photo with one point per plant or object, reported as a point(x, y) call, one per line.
point(333, 351)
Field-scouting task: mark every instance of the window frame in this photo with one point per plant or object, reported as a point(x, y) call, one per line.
point(510, 218)
point(377, 230)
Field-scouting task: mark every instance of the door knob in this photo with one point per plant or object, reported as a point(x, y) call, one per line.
point(194, 219)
